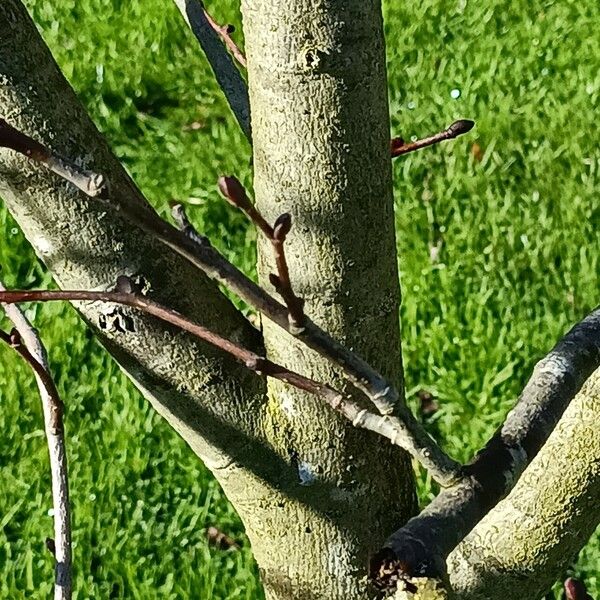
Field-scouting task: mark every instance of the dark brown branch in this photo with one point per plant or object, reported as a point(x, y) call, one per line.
point(422, 448)
point(399, 147)
point(236, 195)
point(26, 341)
point(92, 184)
point(421, 547)
point(225, 32)
point(379, 391)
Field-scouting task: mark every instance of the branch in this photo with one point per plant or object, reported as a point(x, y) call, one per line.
point(199, 252)
point(379, 391)
point(234, 192)
point(225, 31)
point(26, 341)
point(443, 469)
point(420, 548)
point(207, 33)
point(399, 147)
point(92, 184)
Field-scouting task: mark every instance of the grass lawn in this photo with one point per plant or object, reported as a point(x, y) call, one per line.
point(515, 204)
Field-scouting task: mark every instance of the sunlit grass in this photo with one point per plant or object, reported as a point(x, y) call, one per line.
point(518, 215)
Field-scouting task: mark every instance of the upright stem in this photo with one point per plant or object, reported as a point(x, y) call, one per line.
point(318, 97)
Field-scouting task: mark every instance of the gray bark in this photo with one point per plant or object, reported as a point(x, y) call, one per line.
point(530, 538)
point(317, 497)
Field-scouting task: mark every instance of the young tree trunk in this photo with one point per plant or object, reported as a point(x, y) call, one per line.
point(317, 496)
point(320, 122)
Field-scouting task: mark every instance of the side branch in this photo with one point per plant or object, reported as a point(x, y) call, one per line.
point(235, 193)
point(399, 420)
point(225, 32)
point(26, 341)
point(420, 548)
point(229, 78)
point(201, 254)
point(399, 147)
point(422, 448)
point(92, 184)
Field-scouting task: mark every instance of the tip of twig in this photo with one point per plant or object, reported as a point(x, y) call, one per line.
point(460, 127)
point(234, 192)
point(282, 227)
point(575, 590)
point(15, 338)
point(51, 546)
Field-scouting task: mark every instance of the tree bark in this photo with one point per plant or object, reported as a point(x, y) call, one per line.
point(318, 97)
point(530, 538)
point(317, 497)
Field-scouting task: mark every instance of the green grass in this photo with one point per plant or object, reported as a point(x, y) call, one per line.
point(521, 232)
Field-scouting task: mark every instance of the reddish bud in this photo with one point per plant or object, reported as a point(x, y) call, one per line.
point(461, 126)
point(575, 589)
point(396, 143)
point(282, 227)
point(234, 192)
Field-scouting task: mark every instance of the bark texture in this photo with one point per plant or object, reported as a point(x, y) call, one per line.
point(316, 496)
point(318, 97)
point(522, 547)
point(209, 399)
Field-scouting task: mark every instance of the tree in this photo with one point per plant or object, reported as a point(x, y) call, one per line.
point(318, 496)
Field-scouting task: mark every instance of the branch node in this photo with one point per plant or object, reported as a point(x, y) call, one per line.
point(125, 285)
point(275, 282)
point(358, 420)
point(181, 218)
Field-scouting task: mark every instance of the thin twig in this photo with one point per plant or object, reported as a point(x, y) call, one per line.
point(377, 389)
point(421, 447)
point(399, 147)
point(225, 32)
point(26, 341)
point(92, 184)
point(202, 255)
point(226, 73)
point(421, 547)
point(236, 195)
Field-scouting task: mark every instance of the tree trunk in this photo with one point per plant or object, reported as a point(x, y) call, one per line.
point(318, 96)
point(316, 495)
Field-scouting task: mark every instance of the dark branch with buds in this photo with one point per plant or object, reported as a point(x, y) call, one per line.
point(399, 147)
point(420, 548)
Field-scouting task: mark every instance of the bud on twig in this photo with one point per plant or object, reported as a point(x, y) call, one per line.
point(234, 192)
point(282, 227)
point(461, 126)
